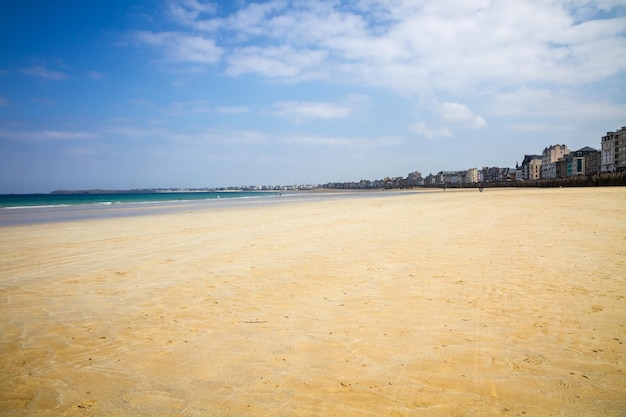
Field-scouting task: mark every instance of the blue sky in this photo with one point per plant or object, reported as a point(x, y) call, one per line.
point(189, 93)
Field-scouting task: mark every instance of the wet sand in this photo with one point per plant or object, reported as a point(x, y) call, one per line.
point(506, 302)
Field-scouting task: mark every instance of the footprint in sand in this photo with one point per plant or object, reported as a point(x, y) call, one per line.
point(533, 359)
point(87, 404)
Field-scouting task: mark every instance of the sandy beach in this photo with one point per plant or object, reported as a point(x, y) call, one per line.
point(508, 302)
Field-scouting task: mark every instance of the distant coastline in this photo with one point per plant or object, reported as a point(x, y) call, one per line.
point(594, 180)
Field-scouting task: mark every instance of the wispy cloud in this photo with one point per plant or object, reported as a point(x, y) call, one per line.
point(232, 109)
point(4, 102)
point(48, 135)
point(211, 140)
point(445, 118)
point(95, 75)
point(181, 47)
point(319, 140)
point(180, 108)
point(310, 109)
point(222, 138)
point(281, 62)
point(341, 141)
point(44, 73)
point(136, 132)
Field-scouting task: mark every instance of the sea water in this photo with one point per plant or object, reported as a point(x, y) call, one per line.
point(19, 209)
point(50, 200)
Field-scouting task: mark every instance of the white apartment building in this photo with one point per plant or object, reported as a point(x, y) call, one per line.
point(607, 160)
point(471, 176)
point(549, 157)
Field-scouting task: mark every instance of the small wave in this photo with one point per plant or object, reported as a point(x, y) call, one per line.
point(27, 207)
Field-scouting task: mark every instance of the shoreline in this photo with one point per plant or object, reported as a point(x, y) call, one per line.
point(445, 303)
point(25, 215)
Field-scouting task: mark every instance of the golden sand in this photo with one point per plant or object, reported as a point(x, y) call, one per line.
point(507, 302)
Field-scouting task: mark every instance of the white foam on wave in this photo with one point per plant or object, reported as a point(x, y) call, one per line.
point(44, 206)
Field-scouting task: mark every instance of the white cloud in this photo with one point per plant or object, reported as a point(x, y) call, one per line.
point(311, 140)
point(181, 47)
point(219, 137)
point(283, 62)
point(215, 140)
point(248, 20)
point(190, 139)
point(460, 115)
point(422, 128)
point(408, 46)
point(310, 109)
point(185, 108)
point(446, 116)
point(187, 11)
point(44, 73)
point(137, 132)
point(48, 135)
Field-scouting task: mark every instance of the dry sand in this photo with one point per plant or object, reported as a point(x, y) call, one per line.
point(507, 302)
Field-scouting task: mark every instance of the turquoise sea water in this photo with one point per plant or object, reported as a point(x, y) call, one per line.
point(17, 201)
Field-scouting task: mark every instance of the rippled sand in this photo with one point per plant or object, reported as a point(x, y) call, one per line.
point(507, 302)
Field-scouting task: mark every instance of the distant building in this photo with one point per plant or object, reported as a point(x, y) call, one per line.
point(534, 168)
point(607, 163)
point(414, 179)
point(471, 176)
point(450, 177)
point(490, 174)
point(575, 161)
point(620, 149)
point(549, 158)
point(364, 184)
point(430, 180)
point(560, 167)
point(613, 150)
point(593, 162)
point(507, 174)
point(531, 168)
